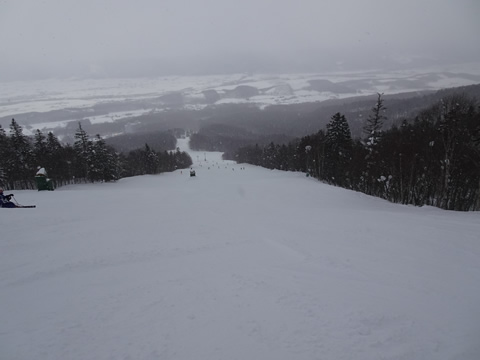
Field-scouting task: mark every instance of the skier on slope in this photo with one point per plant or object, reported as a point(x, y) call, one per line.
point(5, 200)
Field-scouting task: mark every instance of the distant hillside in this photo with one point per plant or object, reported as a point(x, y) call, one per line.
point(247, 122)
point(158, 141)
point(227, 127)
point(249, 125)
point(228, 138)
point(399, 106)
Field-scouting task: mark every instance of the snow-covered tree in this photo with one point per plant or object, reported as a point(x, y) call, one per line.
point(374, 123)
point(373, 135)
point(103, 166)
point(52, 143)
point(455, 124)
point(22, 168)
point(40, 149)
point(338, 151)
point(83, 149)
point(5, 157)
point(338, 132)
point(151, 161)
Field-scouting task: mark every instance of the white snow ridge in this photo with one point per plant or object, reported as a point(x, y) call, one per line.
point(235, 264)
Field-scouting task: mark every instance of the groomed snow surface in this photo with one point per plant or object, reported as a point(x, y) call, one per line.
point(235, 264)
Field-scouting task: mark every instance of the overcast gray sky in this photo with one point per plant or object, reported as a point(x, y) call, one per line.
point(142, 37)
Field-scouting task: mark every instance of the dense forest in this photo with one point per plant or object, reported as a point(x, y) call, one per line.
point(88, 160)
point(228, 139)
point(430, 159)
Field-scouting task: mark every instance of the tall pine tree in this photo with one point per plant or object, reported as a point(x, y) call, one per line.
point(40, 149)
point(338, 151)
point(373, 136)
point(104, 161)
point(23, 169)
point(5, 158)
point(373, 126)
point(83, 149)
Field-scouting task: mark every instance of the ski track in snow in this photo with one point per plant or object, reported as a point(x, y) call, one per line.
point(239, 262)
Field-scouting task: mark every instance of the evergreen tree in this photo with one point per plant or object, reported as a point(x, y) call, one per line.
point(310, 154)
point(373, 135)
point(59, 161)
point(373, 126)
point(5, 158)
point(453, 124)
point(133, 163)
point(270, 156)
point(339, 148)
point(23, 169)
point(151, 161)
point(182, 160)
point(53, 150)
point(40, 149)
point(104, 162)
point(474, 145)
point(83, 149)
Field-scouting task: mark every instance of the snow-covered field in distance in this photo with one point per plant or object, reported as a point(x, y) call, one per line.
point(20, 98)
point(239, 262)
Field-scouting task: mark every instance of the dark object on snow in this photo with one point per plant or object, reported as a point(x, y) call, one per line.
point(43, 183)
point(192, 172)
point(5, 200)
point(6, 203)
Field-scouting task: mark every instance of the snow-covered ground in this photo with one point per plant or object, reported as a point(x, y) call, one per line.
point(239, 262)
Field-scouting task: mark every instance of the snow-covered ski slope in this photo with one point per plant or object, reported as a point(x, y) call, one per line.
point(235, 264)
